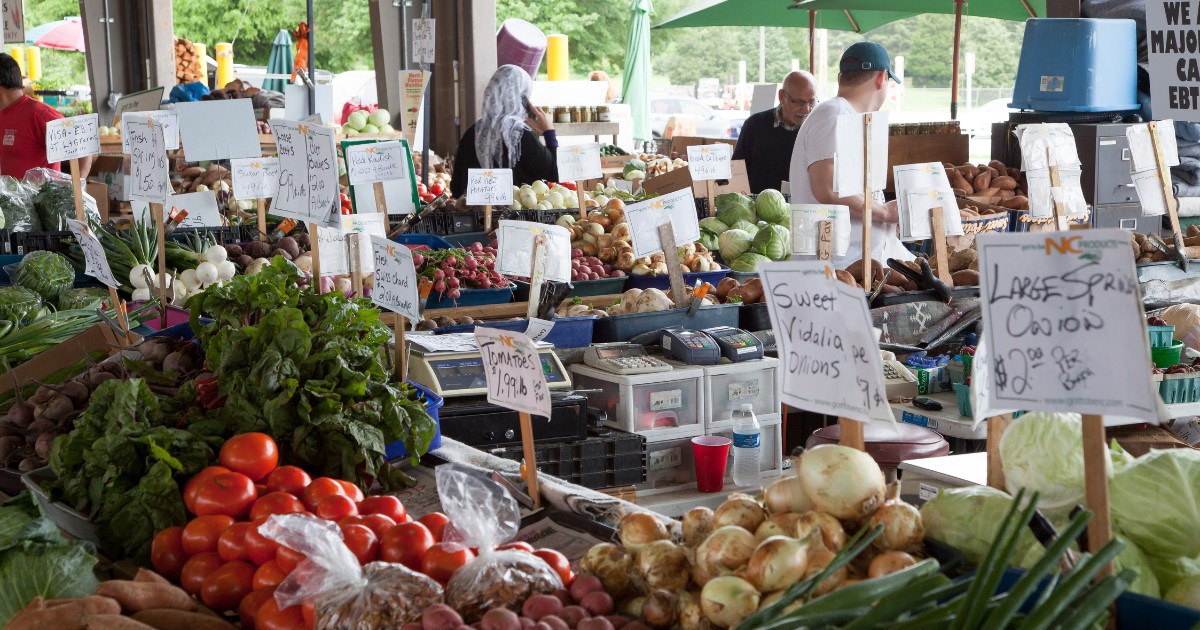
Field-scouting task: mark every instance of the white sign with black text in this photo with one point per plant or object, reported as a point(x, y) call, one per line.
point(849, 162)
point(395, 278)
point(1174, 59)
point(254, 178)
point(645, 217)
point(514, 250)
point(579, 162)
point(805, 218)
point(168, 118)
point(149, 177)
point(424, 48)
point(372, 162)
point(14, 22)
point(308, 172)
point(94, 258)
point(72, 138)
point(334, 249)
point(513, 369)
point(489, 187)
point(710, 161)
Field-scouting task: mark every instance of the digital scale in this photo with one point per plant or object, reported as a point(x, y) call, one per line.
point(452, 374)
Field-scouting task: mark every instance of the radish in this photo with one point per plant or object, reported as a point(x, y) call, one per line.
point(439, 286)
point(453, 294)
point(452, 283)
point(451, 260)
point(485, 284)
point(418, 259)
point(439, 275)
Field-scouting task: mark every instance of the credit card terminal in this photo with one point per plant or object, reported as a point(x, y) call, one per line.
point(735, 343)
point(690, 346)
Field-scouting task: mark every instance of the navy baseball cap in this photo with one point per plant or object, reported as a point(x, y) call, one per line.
point(867, 56)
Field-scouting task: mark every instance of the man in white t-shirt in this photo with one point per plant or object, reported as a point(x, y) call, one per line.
point(862, 87)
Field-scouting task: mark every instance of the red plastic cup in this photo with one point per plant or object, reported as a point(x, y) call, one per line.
point(712, 454)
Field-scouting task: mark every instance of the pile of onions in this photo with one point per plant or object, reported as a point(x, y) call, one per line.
point(902, 526)
point(777, 525)
point(661, 609)
point(611, 564)
point(824, 529)
point(842, 481)
point(639, 529)
point(697, 525)
point(739, 510)
point(663, 565)
point(726, 551)
point(787, 495)
point(728, 600)
point(778, 562)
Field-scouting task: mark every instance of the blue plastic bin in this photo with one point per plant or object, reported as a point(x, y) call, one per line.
point(1077, 65)
point(470, 297)
point(429, 240)
point(1134, 611)
point(433, 402)
point(663, 282)
point(568, 332)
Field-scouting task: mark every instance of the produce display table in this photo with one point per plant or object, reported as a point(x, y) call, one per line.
point(946, 421)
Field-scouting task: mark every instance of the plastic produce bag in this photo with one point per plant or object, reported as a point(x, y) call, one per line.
point(483, 515)
point(345, 596)
point(46, 273)
point(81, 298)
point(16, 203)
point(54, 200)
point(18, 304)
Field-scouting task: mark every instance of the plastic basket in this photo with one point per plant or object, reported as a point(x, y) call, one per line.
point(1179, 388)
point(582, 288)
point(64, 516)
point(175, 316)
point(991, 223)
point(1166, 356)
point(1021, 221)
point(568, 332)
point(964, 399)
point(1133, 611)
point(664, 281)
point(1161, 336)
point(754, 317)
point(470, 297)
point(433, 402)
point(25, 242)
point(627, 326)
point(428, 240)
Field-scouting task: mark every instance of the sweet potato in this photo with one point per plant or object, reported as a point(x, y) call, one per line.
point(987, 193)
point(982, 181)
point(114, 622)
point(169, 619)
point(1192, 230)
point(90, 605)
point(844, 276)
point(752, 291)
point(1005, 183)
point(60, 614)
point(890, 288)
point(959, 182)
point(969, 171)
point(146, 575)
point(965, 278)
point(1018, 202)
point(962, 259)
point(998, 165)
point(135, 596)
point(192, 172)
point(725, 286)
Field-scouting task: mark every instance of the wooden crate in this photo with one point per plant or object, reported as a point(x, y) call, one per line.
point(952, 148)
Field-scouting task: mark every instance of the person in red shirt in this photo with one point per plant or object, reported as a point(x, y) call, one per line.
point(23, 126)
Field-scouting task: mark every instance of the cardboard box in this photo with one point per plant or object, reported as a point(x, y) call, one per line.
point(932, 380)
point(739, 182)
point(112, 171)
point(99, 337)
point(99, 192)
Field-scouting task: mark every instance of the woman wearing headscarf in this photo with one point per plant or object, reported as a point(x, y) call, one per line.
point(506, 136)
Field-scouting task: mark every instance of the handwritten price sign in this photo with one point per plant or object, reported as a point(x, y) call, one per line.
point(395, 278)
point(1063, 324)
point(678, 208)
point(424, 48)
point(579, 162)
point(168, 118)
point(830, 359)
point(72, 138)
point(513, 370)
point(254, 178)
point(148, 160)
point(489, 187)
point(95, 262)
point(308, 173)
point(710, 161)
point(376, 162)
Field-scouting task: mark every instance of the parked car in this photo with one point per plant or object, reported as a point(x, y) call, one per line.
point(710, 122)
point(977, 121)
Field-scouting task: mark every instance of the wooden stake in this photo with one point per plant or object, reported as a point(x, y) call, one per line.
point(537, 274)
point(851, 432)
point(712, 205)
point(666, 236)
point(996, 426)
point(1164, 179)
point(262, 219)
point(1095, 476)
point(937, 226)
point(157, 211)
point(380, 198)
point(119, 308)
point(77, 188)
point(531, 478)
point(580, 194)
point(401, 354)
point(356, 275)
point(487, 218)
point(316, 255)
point(1060, 211)
point(868, 268)
point(825, 239)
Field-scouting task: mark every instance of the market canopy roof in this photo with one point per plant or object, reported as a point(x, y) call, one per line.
point(1018, 10)
point(775, 13)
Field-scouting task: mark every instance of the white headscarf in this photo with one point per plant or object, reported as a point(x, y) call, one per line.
point(498, 132)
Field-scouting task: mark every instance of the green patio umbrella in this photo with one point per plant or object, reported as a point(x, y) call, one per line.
point(280, 61)
point(1019, 10)
point(775, 13)
point(635, 82)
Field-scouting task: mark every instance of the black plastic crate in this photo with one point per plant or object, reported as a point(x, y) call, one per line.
point(612, 479)
point(463, 222)
point(25, 242)
point(6, 243)
point(615, 459)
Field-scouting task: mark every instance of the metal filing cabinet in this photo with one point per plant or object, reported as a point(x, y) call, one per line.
point(1126, 217)
point(1104, 153)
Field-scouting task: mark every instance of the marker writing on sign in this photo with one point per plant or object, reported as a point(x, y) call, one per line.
point(508, 383)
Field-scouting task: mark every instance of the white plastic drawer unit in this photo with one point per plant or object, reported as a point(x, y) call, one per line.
point(658, 405)
point(730, 385)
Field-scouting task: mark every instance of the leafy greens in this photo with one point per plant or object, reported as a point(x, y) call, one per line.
point(35, 560)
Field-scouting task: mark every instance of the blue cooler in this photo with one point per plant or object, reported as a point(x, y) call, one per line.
point(1077, 65)
point(433, 402)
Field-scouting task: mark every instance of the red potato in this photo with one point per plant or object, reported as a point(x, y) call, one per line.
point(539, 606)
point(617, 621)
point(526, 622)
point(413, 626)
point(440, 617)
point(500, 619)
point(595, 623)
point(573, 615)
point(554, 622)
point(597, 603)
point(585, 584)
point(540, 626)
point(563, 596)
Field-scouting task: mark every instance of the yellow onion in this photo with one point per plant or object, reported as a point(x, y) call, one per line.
point(632, 606)
point(660, 609)
point(639, 529)
point(726, 551)
point(777, 562)
point(902, 526)
point(691, 615)
point(889, 562)
point(739, 510)
point(697, 525)
point(728, 600)
point(663, 565)
point(787, 495)
point(842, 481)
point(611, 564)
point(777, 525)
point(824, 529)
point(817, 561)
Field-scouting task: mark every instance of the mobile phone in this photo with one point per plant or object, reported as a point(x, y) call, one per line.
point(528, 107)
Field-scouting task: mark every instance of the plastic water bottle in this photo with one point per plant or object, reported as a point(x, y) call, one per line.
point(747, 444)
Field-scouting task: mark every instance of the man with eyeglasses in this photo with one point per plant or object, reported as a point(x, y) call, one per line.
point(767, 137)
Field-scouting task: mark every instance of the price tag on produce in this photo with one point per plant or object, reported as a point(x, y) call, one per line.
point(331, 243)
point(308, 175)
point(254, 178)
point(579, 162)
point(827, 347)
point(168, 118)
point(395, 278)
point(424, 47)
point(94, 258)
point(514, 373)
point(514, 248)
point(72, 138)
point(372, 162)
point(489, 187)
point(677, 208)
point(710, 161)
point(1064, 326)
point(148, 161)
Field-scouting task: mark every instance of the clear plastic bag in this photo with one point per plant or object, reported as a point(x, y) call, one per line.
point(16, 203)
point(48, 274)
point(345, 596)
point(483, 515)
point(18, 304)
point(54, 200)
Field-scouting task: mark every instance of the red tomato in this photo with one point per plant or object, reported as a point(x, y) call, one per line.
point(406, 543)
point(310, 616)
point(271, 618)
point(227, 493)
point(436, 190)
point(193, 484)
point(523, 546)
point(336, 508)
point(275, 503)
point(363, 542)
point(268, 575)
point(421, 189)
point(288, 559)
point(388, 506)
point(202, 532)
point(259, 548)
point(166, 552)
point(320, 489)
point(197, 569)
point(378, 523)
point(288, 479)
point(252, 454)
point(261, 489)
point(442, 560)
point(248, 609)
point(232, 543)
point(351, 490)
point(435, 522)
point(558, 562)
point(224, 588)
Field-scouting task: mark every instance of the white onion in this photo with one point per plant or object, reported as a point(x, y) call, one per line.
point(188, 277)
point(691, 615)
point(207, 273)
point(728, 600)
point(843, 481)
point(902, 526)
point(726, 551)
point(818, 559)
point(137, 278)
point(826, 531)
point(140, 295)
point(663, 565)
point(739, 510)
point(787, 495)
point(661, 609)
point(639, 529)
point(777, 563)
point(777, 525)
point(611, 564)
point(633, 606)
point(697, 525)
point(226, 270)
point(889, 562)
point(216, 254)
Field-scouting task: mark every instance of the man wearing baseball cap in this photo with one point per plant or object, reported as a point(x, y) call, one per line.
point(863, 81)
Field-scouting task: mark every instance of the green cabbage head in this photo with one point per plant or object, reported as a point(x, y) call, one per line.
point(1044, 452)
point(1172, 571)
point(1131, 557)
point(970, 518)
point(1156, 502)
point(710, 239)
point(734, 207)
point(1186, 592)
point(748, 262)
point(733, 243)
point(747, 226)
point(771, 207)
point(774, 242)
point(714, 224)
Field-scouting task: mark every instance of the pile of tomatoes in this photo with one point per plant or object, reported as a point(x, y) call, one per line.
point(221, 557)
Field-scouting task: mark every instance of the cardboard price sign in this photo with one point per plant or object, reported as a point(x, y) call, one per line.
point(395, 278)
point(168, 118)
point(424, 46)
point(332, 247)
point(72, 138)
point(148, 161)
point(1064, 326)
point(489, 187)
point(376, 162)
point(95, 261)
point(254, 178)
point(514, 249)
point(308, 175)
point(677, 208)
point(829, 356)
point(513, 369)
point(579, 162)
point(710, 161)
